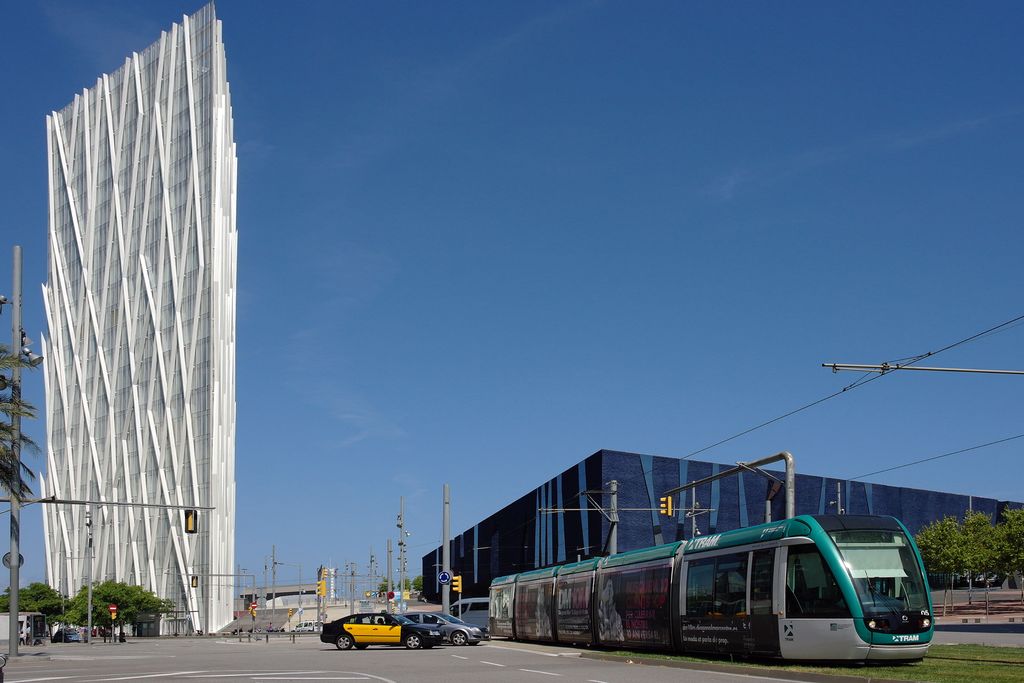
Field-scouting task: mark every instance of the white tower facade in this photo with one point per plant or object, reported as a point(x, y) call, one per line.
point(140, 305)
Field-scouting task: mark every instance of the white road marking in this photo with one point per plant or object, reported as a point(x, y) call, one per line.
point(298, 678)
point(594, 681)
point(48, 678)
point(138, 676)
point(534, 671)
point(257, 673)
point(535, 652)
point(459, 657)
point(491, 663)
point(85, 658)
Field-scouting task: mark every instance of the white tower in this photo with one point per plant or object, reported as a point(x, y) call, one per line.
point(140, 305)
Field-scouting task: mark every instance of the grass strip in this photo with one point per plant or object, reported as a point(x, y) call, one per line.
point(944, 664)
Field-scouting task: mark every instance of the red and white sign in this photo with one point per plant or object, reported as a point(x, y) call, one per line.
point(112, 607)
point(253, 605)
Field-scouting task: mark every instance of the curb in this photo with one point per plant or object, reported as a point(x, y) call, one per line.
point(737, 669)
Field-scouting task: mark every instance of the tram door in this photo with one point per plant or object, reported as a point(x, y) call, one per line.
point(764, 623)
point(818, 624)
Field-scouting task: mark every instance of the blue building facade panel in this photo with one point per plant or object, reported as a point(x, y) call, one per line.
point(519, 537)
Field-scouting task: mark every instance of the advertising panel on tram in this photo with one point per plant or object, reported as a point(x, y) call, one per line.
point(502, 593)
point(573, 590)
point(633, 604)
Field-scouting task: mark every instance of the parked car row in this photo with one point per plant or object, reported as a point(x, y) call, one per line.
point(414, 630)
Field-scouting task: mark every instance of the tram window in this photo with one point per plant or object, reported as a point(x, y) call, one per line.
point(811, 589)
point(761, 581)
point(717, 587)
point(700, 587)
point(731, 586)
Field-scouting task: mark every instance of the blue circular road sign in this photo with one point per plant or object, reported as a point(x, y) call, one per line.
point(444, 578)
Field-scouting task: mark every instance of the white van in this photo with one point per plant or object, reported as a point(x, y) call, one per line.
point(308, 627)
point(472, 610)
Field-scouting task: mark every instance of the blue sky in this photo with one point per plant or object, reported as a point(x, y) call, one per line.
point(480, 241)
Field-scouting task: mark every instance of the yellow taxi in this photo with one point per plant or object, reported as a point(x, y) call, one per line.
point(362, 630)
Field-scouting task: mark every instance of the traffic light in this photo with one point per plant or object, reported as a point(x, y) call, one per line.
point(191, 521)
point(457, 584)
point(252, 612)
point(321, 588)
point(665, 508)
point(195, 581)
point(291, 611)
point(113, 614)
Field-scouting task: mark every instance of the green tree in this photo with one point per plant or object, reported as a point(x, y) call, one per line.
point(410, 584)
point(1010, 544)
point(14, 474)
point(37, 597)
point(942, 549)
point(979, 542)
point(417, 584)
point(131, 601)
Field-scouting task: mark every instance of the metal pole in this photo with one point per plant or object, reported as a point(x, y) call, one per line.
point(790, 479)
point(14, 630)
point(613, 517)
point(693, 512)
point(273, 577)
point(88, 573)
point(390, 574)
point(885, 368)
point(401, 554)
point(352, 583)
point(446, 531)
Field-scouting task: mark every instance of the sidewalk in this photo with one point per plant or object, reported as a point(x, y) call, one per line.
point(1004, 606)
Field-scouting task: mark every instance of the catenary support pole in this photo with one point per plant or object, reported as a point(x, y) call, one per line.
point(613, 517)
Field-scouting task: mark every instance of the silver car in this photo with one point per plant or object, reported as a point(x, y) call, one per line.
point(453, 629)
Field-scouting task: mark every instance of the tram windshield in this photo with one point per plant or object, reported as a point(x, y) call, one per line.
point(884, 569)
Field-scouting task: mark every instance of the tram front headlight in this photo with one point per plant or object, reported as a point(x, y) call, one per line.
point(872, 624)
point(926, 622)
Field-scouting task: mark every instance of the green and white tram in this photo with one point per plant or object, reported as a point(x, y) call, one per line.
point(821, 587)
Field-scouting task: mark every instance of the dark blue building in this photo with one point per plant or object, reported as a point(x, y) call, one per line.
point(520, 537)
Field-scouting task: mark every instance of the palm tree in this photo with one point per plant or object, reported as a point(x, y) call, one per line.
point(14, 474)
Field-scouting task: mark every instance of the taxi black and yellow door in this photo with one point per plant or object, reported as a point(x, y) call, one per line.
point(360, 628)
point(389, 631)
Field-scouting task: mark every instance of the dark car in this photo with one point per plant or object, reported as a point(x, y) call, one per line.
point(362, 630)
point(454, 630)
point(66, 635)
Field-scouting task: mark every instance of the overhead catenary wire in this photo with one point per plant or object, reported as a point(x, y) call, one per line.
point(866, 378)
point(861, 381)
point(937, 457)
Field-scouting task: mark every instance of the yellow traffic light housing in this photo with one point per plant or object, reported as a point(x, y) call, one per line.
point(191, 521)
point(291, 611)
point(665, 508)
point(321, 588)
point(457, 583)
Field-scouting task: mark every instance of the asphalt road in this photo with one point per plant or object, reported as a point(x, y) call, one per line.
point(203, 660)
point(211, 659)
